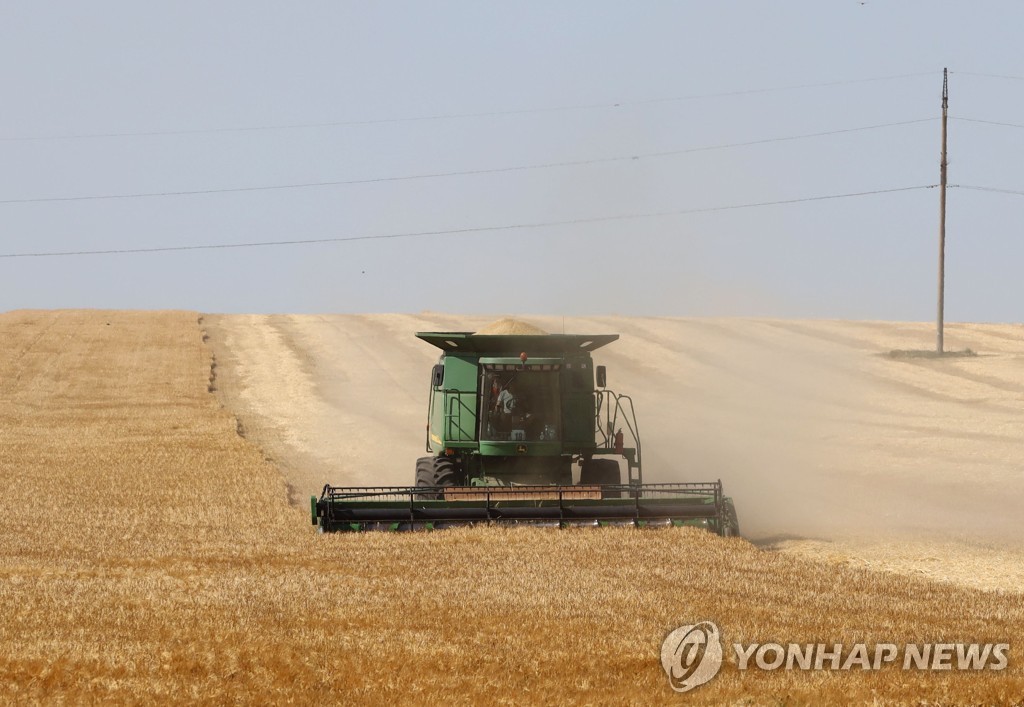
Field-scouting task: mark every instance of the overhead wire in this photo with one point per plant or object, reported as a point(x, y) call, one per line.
point(990, 76)
point(463, 115)
point(461, 173)
point(496, 170)
point(989, 189)
point(459, 231)
point(987, 122)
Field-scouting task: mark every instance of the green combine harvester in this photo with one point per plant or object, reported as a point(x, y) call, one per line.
point(521, 429)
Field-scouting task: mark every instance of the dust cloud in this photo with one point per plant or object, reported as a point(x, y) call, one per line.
point(825, 444)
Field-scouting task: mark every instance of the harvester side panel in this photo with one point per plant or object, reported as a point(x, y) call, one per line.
point(578, 404)
point(457, 422)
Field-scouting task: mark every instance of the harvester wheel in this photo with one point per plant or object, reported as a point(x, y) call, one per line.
point(425, 475)
point(601, 472)
point(436, 471)
point(446, 472)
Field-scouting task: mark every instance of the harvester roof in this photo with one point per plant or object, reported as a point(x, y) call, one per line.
point(512, 344)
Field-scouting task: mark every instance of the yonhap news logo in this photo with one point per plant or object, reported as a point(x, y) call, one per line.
point(692, 655)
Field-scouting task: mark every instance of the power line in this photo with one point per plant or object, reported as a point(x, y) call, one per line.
point(990, 76)
point(990, 189)
point(453, 116)
point(458, 231)
point(989, 122)
point(461, 173)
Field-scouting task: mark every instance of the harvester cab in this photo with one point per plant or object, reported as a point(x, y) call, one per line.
point(507, 410)
point(522, 428)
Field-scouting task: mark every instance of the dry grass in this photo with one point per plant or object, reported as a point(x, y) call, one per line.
point(508, 325)
point(979, 567)
point(150, 554)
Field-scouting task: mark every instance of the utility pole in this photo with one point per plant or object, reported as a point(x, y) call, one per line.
point(942, 213)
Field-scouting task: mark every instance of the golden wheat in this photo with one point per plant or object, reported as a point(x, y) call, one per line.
point(149, 553)
point(508, 325)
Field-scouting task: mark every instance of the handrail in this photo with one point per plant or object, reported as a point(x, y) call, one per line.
point(453, 419)
point(611, 420)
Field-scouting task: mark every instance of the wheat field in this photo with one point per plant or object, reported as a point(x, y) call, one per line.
point(150, 553)
point(832, 448)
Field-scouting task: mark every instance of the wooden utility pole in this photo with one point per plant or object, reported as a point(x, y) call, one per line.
point(942, 212)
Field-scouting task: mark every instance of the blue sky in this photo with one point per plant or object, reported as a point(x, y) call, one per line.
point(191, 68)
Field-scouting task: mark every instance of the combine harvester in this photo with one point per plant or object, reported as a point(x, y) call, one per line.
point(511, 419)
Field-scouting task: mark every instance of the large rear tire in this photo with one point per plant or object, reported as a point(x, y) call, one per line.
point(437, 471)
point(425, 471)
point(447, 472)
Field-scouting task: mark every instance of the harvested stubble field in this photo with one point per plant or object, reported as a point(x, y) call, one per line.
point(151, 553)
